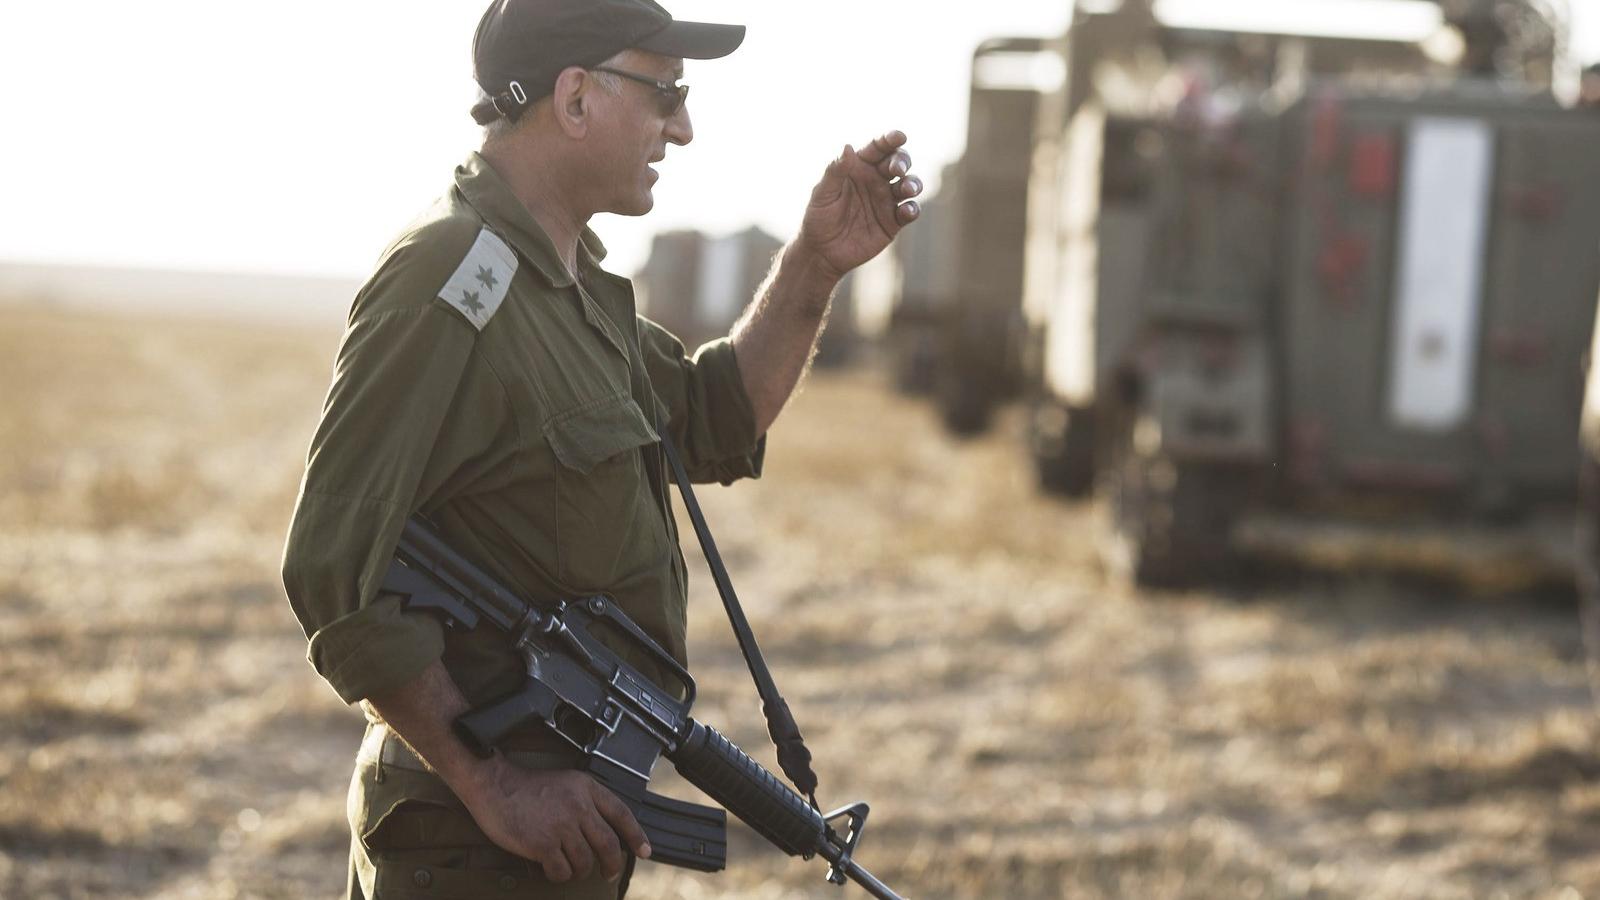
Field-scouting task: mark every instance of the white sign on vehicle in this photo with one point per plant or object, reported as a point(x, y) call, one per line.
point(717, 301)
point(1444, 220)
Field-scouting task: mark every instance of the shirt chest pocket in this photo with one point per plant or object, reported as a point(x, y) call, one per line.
point(607, 525)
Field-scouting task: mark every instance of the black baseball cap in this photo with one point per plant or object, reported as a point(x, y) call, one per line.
point(522, 45)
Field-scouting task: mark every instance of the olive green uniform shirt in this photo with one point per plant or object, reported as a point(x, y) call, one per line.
point(480, 384)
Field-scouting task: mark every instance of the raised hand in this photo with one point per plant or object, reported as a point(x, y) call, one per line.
point(863, 200)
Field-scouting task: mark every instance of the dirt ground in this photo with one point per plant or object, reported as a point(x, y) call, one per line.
point(1022, 724)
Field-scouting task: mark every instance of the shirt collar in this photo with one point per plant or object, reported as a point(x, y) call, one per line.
point(483, 187)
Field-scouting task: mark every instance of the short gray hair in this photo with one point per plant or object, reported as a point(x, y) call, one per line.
point(502, 126)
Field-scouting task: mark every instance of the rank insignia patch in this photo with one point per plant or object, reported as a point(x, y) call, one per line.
point(479, 284)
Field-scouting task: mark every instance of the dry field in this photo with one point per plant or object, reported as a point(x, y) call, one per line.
point(1022, 725)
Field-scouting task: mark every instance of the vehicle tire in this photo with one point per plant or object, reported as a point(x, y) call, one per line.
point(1062, 443)
point(912, 359)
point(1170, 520)
point(964, 407)
point(1589, 625)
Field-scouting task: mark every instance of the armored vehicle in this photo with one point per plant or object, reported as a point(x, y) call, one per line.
point(1361, 306)
point(696, 285)
point(1421, 307)
point(1114, 144)
point(1318, 304)
point(957, 321)
point(921, 288)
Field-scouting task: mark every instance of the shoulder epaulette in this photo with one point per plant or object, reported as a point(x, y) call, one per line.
point(479, 284)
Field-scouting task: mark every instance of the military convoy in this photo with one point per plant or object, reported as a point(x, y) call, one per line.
point(1274, 284)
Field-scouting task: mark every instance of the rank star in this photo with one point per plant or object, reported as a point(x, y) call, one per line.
point(469, 299)
point(486, 275)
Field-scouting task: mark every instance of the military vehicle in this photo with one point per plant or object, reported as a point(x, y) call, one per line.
point(1587, 544)
point(956, 324)
point(1288, 304)
point(695, 285)
point(1113, 148)
point(957, 329)
point(918, 286)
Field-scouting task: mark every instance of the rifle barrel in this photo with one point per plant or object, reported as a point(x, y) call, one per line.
point(859, 875)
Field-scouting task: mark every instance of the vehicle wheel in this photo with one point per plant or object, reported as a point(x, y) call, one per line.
point(964, 407)
point(1170, 520)
point(1589, 621)
point(912, 359)
point(1063, 449)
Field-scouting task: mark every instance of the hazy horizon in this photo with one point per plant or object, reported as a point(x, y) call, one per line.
point(211, 154)
point(264, 297)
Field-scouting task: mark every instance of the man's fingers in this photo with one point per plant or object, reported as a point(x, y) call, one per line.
point(895, 164)
point(576, 848)
point(555, 866)
point(907, 212)
point(603, 841)
point(881, 146)
point(621, 820)
point(907, 187)
point(841, 164)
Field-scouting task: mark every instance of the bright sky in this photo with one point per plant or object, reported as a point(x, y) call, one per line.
point(299, 136)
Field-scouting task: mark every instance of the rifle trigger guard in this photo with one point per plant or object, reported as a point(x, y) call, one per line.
point(857, 813)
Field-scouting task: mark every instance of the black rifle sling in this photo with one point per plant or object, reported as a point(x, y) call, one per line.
point(793, 757)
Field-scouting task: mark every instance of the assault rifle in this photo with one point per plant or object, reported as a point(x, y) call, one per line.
point(620, 720)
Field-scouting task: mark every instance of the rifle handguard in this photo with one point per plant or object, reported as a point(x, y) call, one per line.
point(713, 764)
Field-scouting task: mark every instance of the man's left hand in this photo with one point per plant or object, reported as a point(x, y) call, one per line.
point(863, 200)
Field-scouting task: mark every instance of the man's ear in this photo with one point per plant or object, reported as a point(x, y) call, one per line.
point(571, 101)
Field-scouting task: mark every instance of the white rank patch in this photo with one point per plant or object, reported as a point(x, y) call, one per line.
point(482, 279)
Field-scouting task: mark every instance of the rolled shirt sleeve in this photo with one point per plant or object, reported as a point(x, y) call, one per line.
point(375, 459)
point(712, 421)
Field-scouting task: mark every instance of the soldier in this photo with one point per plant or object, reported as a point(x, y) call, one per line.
point(495, 378)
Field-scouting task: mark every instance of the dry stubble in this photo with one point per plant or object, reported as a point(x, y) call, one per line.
point(1023, 726)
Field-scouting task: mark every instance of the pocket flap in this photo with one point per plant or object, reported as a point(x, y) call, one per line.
point(588, 434)
point(411, 824)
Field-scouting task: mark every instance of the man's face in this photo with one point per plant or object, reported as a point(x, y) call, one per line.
point(632, 129)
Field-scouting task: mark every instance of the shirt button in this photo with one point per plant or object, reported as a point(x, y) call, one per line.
point(422, 878)
point(507, 883)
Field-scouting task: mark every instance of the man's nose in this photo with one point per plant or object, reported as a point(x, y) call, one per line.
point(680, 130)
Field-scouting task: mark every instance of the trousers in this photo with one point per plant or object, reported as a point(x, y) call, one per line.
point(412, 839)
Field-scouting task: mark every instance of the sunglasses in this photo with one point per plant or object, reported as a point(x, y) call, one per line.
point(669, 96)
